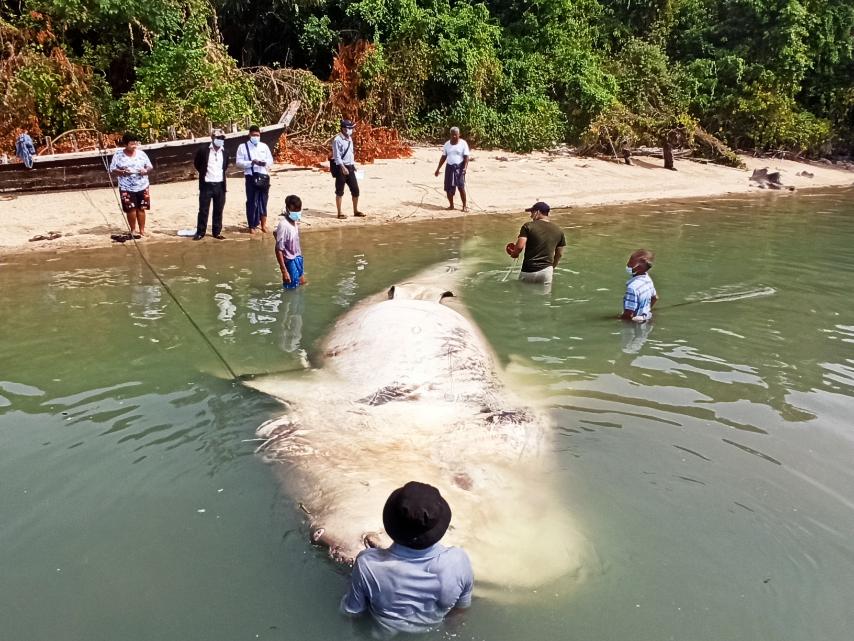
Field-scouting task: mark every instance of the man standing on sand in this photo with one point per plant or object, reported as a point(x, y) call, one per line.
point(342, 166)
point(255, 159)
point(456, 154)
point(543, 243)
point(211, 162)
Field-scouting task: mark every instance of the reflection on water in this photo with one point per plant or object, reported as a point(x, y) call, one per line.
point(729, 293)
point(290, 331)
point(147, 302)
point(89, 277)
point(634, 335)
point(707, 454)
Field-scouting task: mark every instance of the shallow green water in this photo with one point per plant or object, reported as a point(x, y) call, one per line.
point(708, 458)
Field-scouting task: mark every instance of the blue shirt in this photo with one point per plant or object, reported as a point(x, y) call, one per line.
point(639, 294)
point(342, 150)
point(409, 590)
point(25, 150)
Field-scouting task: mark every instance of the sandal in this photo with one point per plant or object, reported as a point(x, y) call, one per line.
point(342, 216)
point(358, 214)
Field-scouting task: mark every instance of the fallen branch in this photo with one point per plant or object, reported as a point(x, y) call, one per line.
point(658, 152)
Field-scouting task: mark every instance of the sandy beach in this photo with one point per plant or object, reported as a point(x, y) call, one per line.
point(393, 191)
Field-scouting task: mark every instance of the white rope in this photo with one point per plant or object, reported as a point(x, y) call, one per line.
point(510, 269)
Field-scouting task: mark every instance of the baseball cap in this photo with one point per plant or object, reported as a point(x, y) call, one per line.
point(541, 207)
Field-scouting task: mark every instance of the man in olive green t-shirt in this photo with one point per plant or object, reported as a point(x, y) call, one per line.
point(543, 243)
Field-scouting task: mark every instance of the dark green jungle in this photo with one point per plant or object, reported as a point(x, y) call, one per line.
point(519, 74)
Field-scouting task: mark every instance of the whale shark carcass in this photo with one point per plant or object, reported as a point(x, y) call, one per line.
point(409, 389)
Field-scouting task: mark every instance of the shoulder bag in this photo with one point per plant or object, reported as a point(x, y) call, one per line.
point(333, 167)
point(261, 181)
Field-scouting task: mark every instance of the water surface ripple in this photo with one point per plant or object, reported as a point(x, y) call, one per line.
point(707, 455)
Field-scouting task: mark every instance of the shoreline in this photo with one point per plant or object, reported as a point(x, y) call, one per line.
point(393, 191)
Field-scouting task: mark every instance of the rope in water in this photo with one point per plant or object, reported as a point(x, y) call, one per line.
point(510, 269)
point(163, 284)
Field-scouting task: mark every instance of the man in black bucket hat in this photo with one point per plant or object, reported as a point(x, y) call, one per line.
point(415, 583)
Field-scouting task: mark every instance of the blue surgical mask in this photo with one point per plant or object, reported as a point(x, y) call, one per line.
point(218, 143)
point(255, 140)
point(295, 215)
point(629, 271)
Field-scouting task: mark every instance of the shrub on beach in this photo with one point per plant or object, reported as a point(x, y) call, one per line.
point(530, 122)
point(191, 81)
point(41, 88)
point(525, 124)
point(619, 128)
point(765, 120)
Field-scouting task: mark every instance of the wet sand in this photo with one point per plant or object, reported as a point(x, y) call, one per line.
point(393, 191)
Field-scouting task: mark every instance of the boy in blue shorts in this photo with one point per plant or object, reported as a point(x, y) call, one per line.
point(640, 292)
point(288, 251)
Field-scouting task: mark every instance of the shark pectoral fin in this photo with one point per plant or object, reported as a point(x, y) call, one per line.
point(521, 366)
point(292, 389)
point(521, 371)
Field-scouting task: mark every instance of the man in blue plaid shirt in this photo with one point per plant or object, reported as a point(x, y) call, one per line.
point(640, 291)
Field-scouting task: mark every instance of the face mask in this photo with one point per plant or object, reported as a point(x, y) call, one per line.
point(629, 271)
point(218, 143)
point(295, 215)
point(349, 132)
point(255, 140)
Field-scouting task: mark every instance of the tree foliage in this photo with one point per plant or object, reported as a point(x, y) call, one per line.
point(523, 74)
point(187, 82)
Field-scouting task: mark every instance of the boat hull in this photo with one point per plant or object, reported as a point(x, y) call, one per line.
point(173, 161)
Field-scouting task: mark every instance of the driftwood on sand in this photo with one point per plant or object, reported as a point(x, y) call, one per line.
point(765, 179)
point(658, 152)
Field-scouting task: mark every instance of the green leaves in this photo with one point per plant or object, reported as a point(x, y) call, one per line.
point(190, 83)
point(517, 73)
point(316, 34)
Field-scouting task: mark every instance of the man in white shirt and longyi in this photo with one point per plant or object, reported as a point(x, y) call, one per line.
point(456, 154)
point(255, 159)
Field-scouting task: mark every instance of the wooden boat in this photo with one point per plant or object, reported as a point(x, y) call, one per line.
point(172, 160)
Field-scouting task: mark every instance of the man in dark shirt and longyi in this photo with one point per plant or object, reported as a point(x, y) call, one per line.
point(543, 243)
